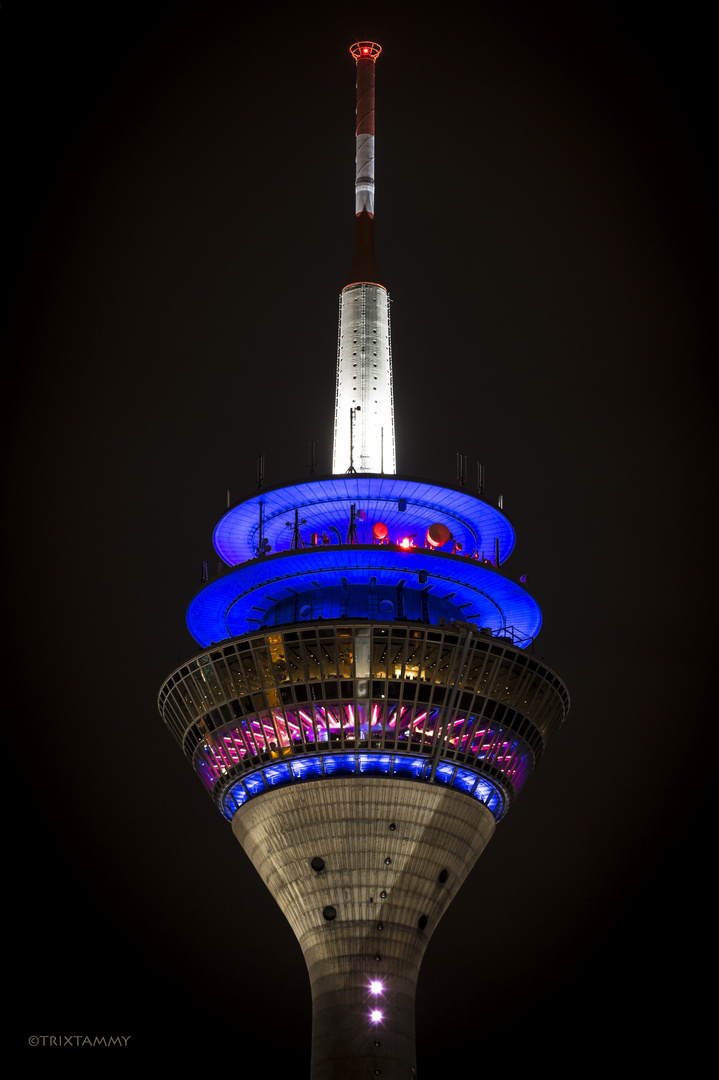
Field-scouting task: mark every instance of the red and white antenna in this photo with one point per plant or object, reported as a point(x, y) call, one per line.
point(364, 406)
point(365, 53)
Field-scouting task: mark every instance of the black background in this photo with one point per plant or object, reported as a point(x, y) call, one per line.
point(180, 223)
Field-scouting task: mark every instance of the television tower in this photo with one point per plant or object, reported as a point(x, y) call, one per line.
point(364, 708)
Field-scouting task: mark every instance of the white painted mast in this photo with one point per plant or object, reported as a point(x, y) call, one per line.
point(364, 440)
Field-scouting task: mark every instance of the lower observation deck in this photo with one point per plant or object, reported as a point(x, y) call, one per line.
point(361, 580)
point(401, 700)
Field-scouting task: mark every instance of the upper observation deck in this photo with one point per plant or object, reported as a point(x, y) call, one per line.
point(407, 508)
point(359, 546)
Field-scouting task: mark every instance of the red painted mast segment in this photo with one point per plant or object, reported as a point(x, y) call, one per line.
point(364, 265)
point(365, 53)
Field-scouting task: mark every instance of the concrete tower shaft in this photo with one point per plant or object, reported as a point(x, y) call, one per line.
point(363, 871)
point(364, 439)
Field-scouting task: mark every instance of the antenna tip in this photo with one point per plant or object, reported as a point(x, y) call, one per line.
point(365, 50)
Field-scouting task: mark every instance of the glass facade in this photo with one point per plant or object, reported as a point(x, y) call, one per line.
point(382, 698)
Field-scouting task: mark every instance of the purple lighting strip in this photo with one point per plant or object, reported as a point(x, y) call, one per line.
point(249, 737)
point(279, 733)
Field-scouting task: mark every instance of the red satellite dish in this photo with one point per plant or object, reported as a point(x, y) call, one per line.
point(438, 535)
point(380, 530)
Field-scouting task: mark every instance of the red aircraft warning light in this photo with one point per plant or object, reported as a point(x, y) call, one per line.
point(365, 50)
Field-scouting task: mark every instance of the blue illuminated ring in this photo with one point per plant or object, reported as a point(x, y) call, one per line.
point(325, 506)
point(236, 603)
point(395, 766)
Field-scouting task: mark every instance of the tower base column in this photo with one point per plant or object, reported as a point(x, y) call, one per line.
point(363, 868)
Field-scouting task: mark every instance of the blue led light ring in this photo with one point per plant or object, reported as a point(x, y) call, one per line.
point(222, 608)
point(236, 792)
point(236, 532)
point(348, 566)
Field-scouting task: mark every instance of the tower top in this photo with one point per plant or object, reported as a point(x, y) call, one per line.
point(364, 438)
point(365, 50)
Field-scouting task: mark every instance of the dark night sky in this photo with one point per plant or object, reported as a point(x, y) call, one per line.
point(180, 226)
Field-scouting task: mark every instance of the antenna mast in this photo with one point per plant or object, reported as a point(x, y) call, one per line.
point(364, 442)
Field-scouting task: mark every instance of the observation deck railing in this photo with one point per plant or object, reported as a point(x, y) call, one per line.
point(406, 689)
